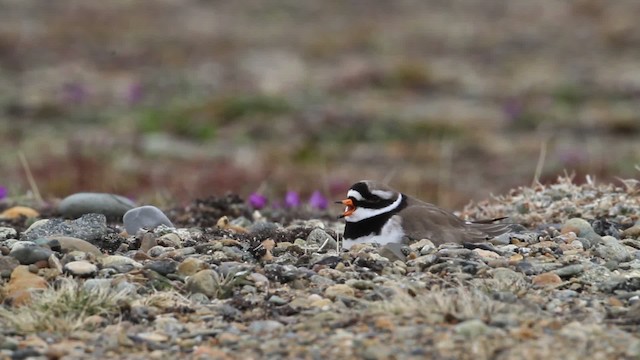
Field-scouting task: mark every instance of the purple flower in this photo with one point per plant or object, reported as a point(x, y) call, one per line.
point(258, 201)
point(3, 192)
point(292, 199)
point(135, 93)
point(74, 92)
point(318, 201)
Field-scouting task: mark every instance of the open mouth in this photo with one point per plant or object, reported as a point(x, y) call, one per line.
point(350, 207)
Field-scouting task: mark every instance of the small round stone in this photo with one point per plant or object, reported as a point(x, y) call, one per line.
point(80, 268)
point(110, 205)
point(144, 217)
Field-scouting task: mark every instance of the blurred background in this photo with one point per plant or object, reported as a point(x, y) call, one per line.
point(165, 101)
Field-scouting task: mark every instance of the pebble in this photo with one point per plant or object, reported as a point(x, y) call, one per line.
point(570, 270)
point(612, 249)
point(581, 228)
point(158, 251)
point(205, 282)
point(119, 262)
point(264, 326)
point(632, 232)
point(7, 233)
point(68, 244)
point(505, 279)
point(17, 212)
point(144, 217)
point(334, 291)
point(546, 279)
point(162, 267)
point(393, 252)
point(28, 255)
point(318, 237)
point(21, 283)
point(191, 265)
point(89, 227)
point(110, 205)
point(80, 268)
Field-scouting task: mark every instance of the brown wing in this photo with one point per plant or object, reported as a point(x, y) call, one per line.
point(424, 220)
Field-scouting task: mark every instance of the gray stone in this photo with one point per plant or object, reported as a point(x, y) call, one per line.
point(147, 217)
point(110, 205)
point(7, 233)
point(504, 279)
point(263, 226)
point(610, 248)
point(158, 250)
point(570, 270)
point(423, 261)
point(318, 237)
point(162, 267)
point(80, 268)
point(28, 255)
point(393, 252)
point(264, 326)
point(277, 300)
point(206, 282)
point(583, 229)
point(88, 227)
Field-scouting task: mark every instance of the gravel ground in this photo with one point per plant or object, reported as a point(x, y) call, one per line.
point(228, 282)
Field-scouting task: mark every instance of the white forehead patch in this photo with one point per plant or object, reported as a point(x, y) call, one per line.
point(383, 194)
point(355, 194)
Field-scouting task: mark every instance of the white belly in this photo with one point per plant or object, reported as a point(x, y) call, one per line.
point(391, 233)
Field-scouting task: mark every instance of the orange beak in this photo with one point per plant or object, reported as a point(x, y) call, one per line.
point(350, 207)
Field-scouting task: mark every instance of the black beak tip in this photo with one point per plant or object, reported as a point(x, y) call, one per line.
point(338, 202)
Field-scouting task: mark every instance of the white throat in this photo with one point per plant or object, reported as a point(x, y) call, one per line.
point(363, 213)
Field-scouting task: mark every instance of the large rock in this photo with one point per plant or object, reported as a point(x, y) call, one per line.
point(110, 205)
point(147, 217)
point(89, 227)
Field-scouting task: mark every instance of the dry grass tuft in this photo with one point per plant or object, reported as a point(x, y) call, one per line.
point(447, 305)
point(62, 309)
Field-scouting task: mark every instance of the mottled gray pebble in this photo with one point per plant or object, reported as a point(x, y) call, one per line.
point(110, 205)
point(7, 233)
point(144, 217)
point(89, 227)
point(318, 238)
point(505, 279)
